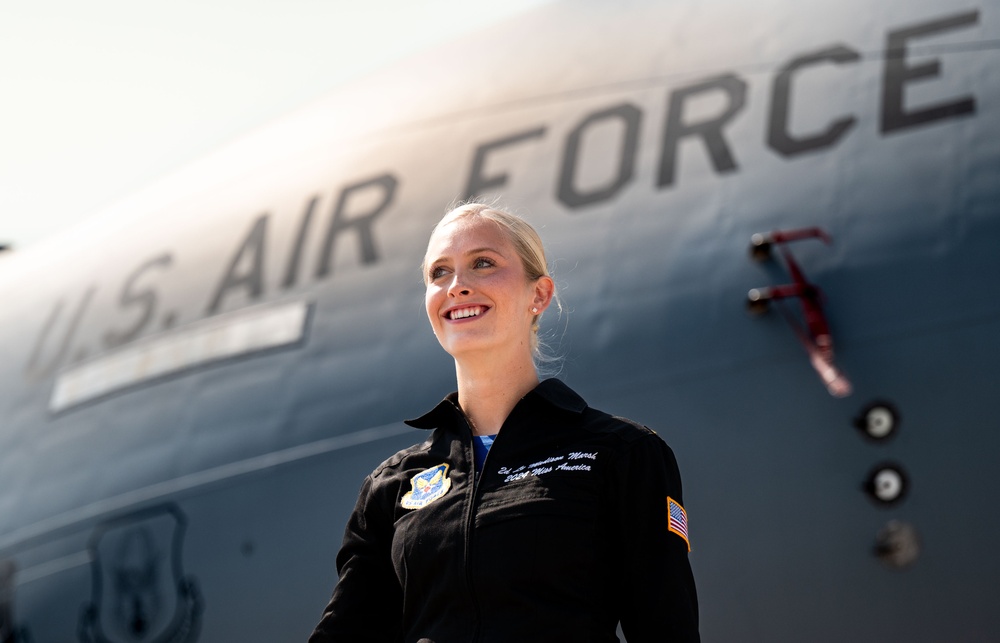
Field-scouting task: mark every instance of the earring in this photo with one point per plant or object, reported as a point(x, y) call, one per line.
point(534, 311)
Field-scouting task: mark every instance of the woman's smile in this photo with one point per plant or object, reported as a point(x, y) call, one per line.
point(466, 313)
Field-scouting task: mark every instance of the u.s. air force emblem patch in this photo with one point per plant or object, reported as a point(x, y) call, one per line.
point(426, 487)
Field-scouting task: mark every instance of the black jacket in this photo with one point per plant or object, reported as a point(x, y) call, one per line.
point(564, 534)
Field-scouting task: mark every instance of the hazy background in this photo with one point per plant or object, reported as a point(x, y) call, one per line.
point(103, 96)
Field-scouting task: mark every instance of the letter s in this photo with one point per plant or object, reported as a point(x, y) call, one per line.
point(145, 299)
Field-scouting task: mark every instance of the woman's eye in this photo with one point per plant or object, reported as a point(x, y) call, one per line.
point(483, 262)
point(436, 272)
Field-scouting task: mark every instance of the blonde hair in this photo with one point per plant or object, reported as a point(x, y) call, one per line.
point(526, 242)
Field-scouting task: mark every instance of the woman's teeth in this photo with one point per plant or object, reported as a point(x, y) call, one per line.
point(462, 313)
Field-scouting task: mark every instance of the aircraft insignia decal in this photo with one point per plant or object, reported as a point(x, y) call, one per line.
point(139, 590)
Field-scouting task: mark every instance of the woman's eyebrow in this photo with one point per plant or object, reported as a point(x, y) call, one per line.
point(444, 258)
point(483, 249)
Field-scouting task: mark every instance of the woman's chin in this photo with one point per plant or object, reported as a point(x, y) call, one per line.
point(464, 348)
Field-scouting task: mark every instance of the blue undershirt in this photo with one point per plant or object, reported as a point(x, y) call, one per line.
point(481, 446)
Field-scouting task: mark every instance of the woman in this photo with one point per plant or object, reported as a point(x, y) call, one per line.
point(569, 523)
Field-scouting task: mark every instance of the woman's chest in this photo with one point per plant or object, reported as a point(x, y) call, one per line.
point(528, 513)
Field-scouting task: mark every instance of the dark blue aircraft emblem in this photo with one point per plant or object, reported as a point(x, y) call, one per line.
point(140, 593)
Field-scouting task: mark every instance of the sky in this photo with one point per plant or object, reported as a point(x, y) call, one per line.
point(102, 97)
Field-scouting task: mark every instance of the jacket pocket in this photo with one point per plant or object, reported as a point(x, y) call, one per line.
point(540, 542)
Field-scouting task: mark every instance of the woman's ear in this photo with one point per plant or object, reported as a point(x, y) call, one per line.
point(544, 288)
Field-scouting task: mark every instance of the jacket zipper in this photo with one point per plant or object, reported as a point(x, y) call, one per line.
point(471, 515)
point(469, 518)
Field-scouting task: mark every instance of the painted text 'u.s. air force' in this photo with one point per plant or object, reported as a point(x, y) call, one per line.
point(360, 204)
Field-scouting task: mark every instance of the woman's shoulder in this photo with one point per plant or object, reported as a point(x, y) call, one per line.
point(394, 461)
point(619, 428)
point(591, 419)
point(418, 455)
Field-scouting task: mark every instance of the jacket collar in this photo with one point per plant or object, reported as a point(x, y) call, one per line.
point(551, 392)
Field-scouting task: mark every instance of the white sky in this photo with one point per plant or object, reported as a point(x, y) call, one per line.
point(102, 96)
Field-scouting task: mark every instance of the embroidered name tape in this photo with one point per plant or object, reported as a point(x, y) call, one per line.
point(678, 520)
point(426, 487)
point(574, 461)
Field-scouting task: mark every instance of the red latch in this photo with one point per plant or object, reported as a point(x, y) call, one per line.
point(815, 337)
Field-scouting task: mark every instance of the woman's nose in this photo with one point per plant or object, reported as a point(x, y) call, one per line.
point(458, 287)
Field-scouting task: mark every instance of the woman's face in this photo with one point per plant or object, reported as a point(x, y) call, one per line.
point(478, 295)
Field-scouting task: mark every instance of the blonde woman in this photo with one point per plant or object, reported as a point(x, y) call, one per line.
point(526, 515)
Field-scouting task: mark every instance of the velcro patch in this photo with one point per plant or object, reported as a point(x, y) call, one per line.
point(678, 523)
point(426, 487)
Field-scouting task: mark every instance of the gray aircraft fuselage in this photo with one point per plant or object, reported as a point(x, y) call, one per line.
point(194, 385)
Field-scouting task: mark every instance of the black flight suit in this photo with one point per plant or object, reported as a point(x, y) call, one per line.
point(565, 532)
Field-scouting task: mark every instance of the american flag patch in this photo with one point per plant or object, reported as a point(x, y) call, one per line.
point(678, 520)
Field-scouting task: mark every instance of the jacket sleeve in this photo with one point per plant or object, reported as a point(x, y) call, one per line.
point(658, 600)
point(367, 603)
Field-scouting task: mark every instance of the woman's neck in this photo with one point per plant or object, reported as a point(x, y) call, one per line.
point(488, 392)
